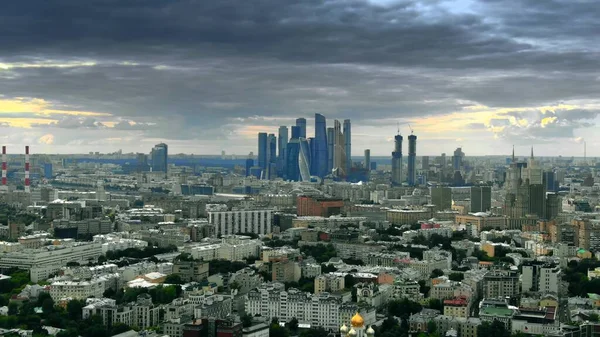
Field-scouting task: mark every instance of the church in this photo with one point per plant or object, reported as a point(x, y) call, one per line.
point(357, 328)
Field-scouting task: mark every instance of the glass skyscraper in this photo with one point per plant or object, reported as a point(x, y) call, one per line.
point(347, 145)
point(304, 160)
point(301, 123)
point(282, 145)
point(291, 158)
point(320, 155)
point(412, 160)
point(159, 155)
point(262, 150)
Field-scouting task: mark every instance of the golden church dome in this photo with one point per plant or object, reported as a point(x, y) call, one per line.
point(357, 321)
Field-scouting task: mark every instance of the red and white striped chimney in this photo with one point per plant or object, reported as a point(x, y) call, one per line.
point(4, 167)
point(27, 189)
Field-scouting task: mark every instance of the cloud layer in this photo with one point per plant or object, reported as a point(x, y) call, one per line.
point(205, 76)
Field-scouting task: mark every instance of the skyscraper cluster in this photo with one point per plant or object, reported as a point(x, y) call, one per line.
point(299, 158)
point(397, 168)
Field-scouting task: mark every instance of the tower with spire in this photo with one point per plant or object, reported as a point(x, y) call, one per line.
point(357, 328)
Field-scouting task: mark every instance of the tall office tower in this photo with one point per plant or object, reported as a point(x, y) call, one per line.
point(301, 123)
point(159, 155)
point(368, 160)
point(443, 161)
point(282, 144)
point(481, 198)
point(441, 198)
point(321, 146)
point(27, 183)
point(304, 160)
point(263, 150)
point(249, 164)
point(425, 163)
point(291, 158)
point(412, 160)
point(272, 156)
point(339, 148)
point(347, 145)
point(397, 161)
point(313, 160)
point(295, 132)
point(457, 159)
point(537, 200)
point(141, 162)
point(330, 149)
point(549, 178)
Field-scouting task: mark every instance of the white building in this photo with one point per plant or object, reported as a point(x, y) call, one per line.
point(232, 248)
point(47, 260)
point(242, 221)
point(77, 289)
point(323, 310)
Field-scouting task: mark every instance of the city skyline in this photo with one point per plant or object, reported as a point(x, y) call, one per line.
point(467, 72)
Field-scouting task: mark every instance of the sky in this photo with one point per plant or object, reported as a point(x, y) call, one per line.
point(205, 76)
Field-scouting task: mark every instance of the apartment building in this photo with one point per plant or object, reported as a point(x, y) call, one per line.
point(330, 312)
point(499, 283)
point(242, 221)
point(328, 283)
point(77, 289)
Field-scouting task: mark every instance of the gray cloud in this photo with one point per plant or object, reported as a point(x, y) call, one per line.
point(195, 70)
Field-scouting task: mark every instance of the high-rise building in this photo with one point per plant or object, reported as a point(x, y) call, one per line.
point(295, 132)
point(159, 156)
point(291, 157)
point(425, 163)
point(263, 150)
point(368, 159)
point(412, 160)
point(397, 161)
point(249, 164)
point(330, 149)
point(142, 162)
point(282, 145)
point(301, 123)
point(321, 146)
point(304, 160)
point(339, 149)
point(457, 159)
point(348, 145)
point(441, 197)
point(313, 160)
point(550, 182)
point(271, 156)
point(481, 198)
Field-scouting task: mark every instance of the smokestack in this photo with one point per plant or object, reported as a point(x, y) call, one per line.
point(4, 167)
point(27, 189)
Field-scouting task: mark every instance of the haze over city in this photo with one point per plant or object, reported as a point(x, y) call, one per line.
point(207, 76)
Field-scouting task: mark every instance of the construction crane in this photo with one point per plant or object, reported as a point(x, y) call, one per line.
point(405, 123)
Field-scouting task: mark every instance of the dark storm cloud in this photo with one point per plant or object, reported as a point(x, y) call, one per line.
point(163, 66)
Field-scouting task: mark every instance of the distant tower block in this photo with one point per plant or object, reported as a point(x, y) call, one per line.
point(4, 187)
point(27, 188)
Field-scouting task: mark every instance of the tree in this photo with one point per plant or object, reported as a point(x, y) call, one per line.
point(73, 264)
point(276, 330)
point(457, 277)
point(246, 320)
point(13, 308)
point(496, 329)
point(174, 279)
point(436, 304)
point(431, 327)
point(48, 305)
point(314, 332)
point(403, 308)
point(293, 325)
point(593, 317)
point(436, 273)
point(74, 308)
